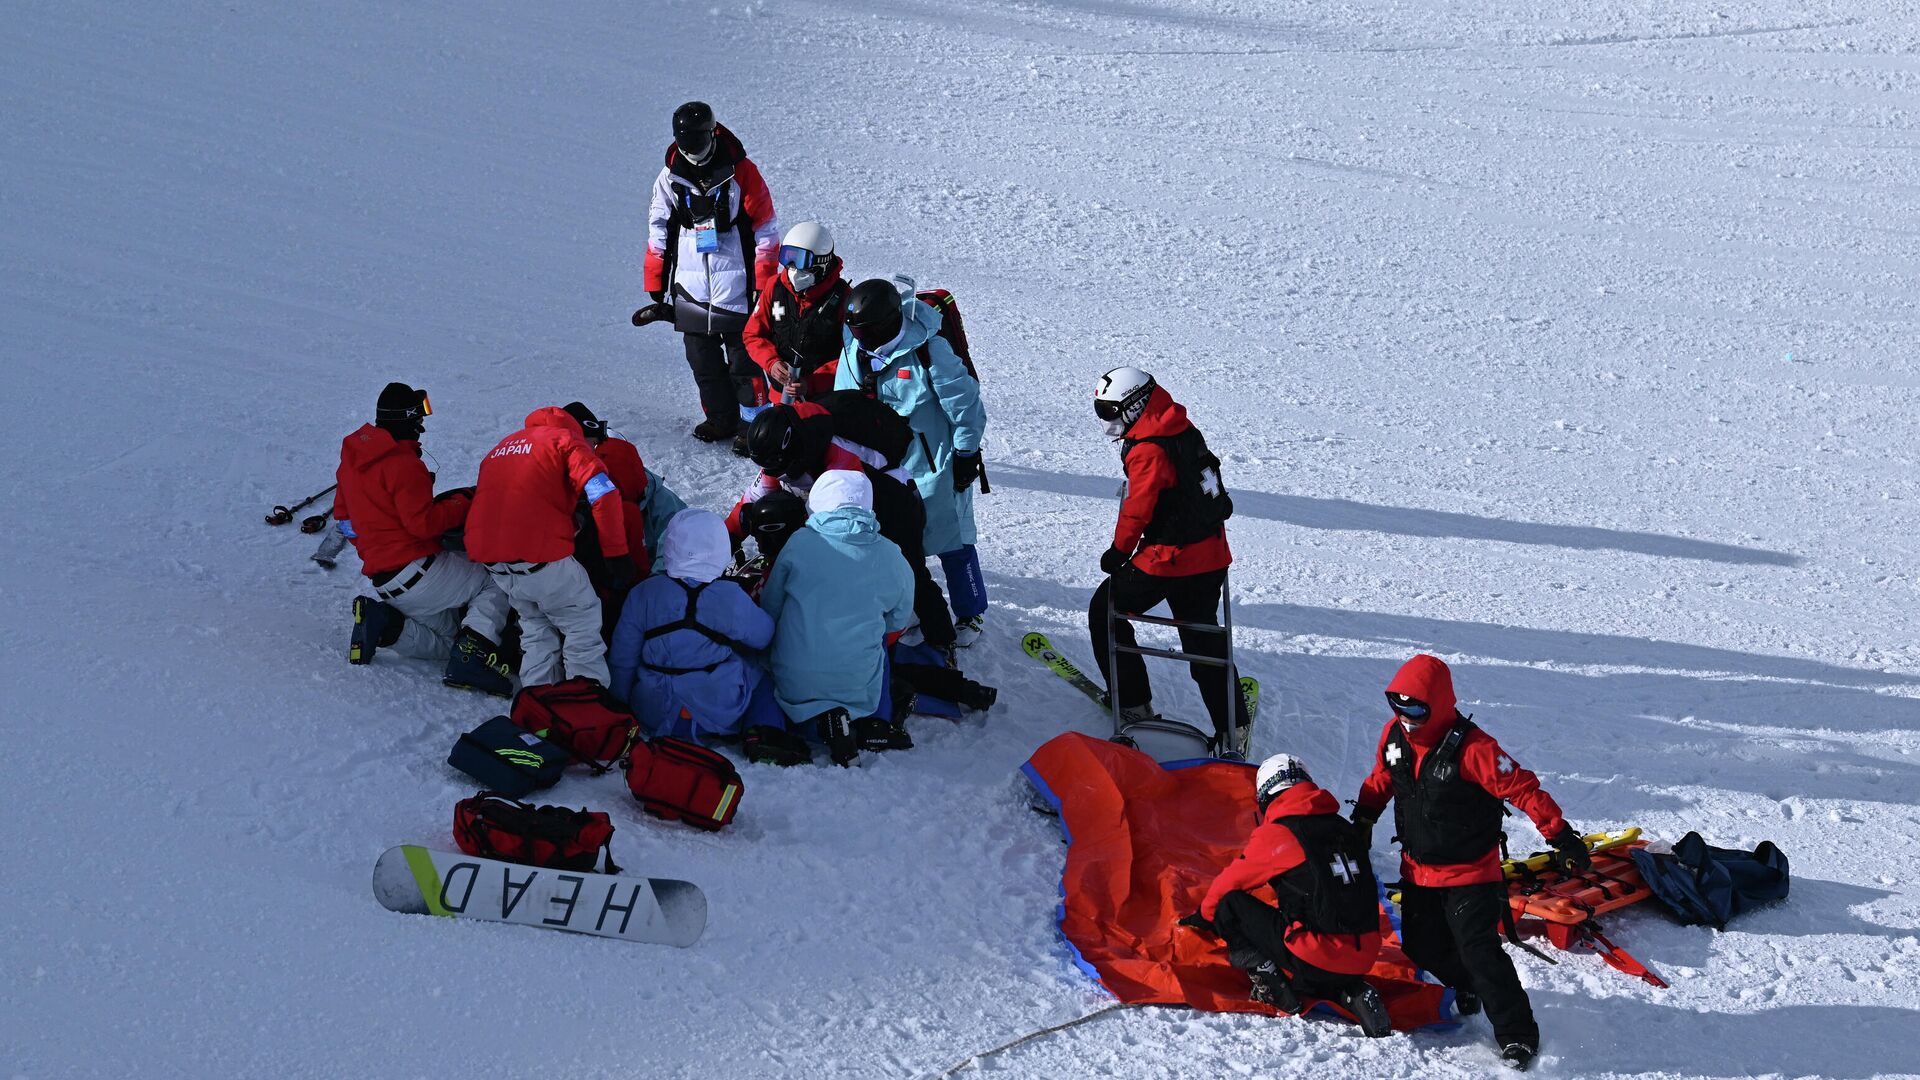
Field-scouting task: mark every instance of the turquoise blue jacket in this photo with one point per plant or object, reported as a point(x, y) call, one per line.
point(836, 591)
point(942, 404)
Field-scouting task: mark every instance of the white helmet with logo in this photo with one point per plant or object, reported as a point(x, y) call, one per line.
point(1277, 774)
point(805, 253)
point(1120, 397)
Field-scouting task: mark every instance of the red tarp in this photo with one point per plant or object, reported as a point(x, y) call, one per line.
point(1144, 842)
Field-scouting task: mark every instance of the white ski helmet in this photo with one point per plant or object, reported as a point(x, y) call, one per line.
point(1277, 774)
point(1120, 397)
point(805, 253)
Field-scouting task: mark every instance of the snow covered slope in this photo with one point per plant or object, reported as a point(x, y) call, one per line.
point(1574, 343)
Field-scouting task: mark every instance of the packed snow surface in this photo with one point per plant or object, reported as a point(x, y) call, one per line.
point(1574, 343)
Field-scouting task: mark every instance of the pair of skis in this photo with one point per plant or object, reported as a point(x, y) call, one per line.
point(1037, 646)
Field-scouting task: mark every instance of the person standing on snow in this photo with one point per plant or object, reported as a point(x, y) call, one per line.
point(894, 351)
point(795, 443)
point(794, 334)
point(711, 244)
point(1170, 544)
point(1325, 932)
point(386, 506)
point(1449, 782)
point(684, 651)
point(836, 592)
point(521, 527)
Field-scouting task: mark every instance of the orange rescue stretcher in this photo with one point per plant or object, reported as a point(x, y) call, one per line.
point(1563, 907)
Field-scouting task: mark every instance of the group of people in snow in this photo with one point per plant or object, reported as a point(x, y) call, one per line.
point(783, 623)
point(779, 622)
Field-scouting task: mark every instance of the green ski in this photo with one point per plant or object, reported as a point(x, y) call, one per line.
point(1038, 647)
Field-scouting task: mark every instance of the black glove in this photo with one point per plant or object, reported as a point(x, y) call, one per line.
point(621, 572)
point(1364, 820)
point(1570, 854)
point(1197, 921)
point(966, 469)
point(1113, 561)
point(652, 313)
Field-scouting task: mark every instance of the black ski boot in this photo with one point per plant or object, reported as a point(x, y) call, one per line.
point(1519, 1055)
point(977, 696)
point(875, 734)
point(708, 431)
point(766, 745)
point(376, 625)
point(835, 731)
point(1270, 987)
point(1466, 1003)
point(1364, 1003)
point(476, 664)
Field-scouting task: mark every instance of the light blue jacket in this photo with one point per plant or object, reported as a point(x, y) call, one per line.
point(694, 550)
point(836, 591)
point(942, 404)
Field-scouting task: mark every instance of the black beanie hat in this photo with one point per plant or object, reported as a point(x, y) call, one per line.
point(397, 402)
point(593, 426)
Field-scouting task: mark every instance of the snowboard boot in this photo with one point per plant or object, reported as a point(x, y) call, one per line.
point(765, 745)
point(1270, 987)
point(708, 431)
point(835, 731)
point(1519, 1054)
point(1466, 1003)
point(376, 625)
point(877, 735)
point(476, 664)
point(1368, 1010)
point(1134, 714)
point(967, 631)
point(977, 696)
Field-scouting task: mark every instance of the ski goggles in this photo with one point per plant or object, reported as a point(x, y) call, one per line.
point(1407, 707)
point(424, 408)
point(799, 258)
point(1107, 408)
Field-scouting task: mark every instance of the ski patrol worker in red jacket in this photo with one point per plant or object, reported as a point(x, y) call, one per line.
point(521, 527)
point(1448, 781)
point(796, 330)
point(428, 602)
point(1170, 544)
point(1324, 933)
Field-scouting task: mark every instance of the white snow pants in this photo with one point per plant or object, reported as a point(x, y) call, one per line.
point(432, 604)
point(555, 601)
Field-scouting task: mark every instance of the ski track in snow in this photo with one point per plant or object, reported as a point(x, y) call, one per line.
point(1575, 346)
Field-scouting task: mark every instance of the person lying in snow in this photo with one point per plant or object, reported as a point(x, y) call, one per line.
point(1449, 782)
point(836, 592)
point(685, 652)
point(1324, 933)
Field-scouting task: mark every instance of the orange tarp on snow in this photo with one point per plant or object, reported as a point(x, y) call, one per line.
point(1144, 842)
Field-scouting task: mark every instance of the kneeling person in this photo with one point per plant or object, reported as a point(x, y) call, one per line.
point(386, 506)
point(1325, 932)
point(835, 593)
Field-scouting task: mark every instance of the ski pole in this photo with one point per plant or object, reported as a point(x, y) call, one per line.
point(283, 514)
point(317, 522)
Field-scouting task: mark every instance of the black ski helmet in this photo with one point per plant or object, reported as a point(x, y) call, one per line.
point(402, 411)
point(592, 426)
point(772, 519)
point(773, 442)
point(693, 129)
point(873, 312)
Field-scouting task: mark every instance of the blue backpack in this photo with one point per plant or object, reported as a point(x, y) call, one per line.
point(1703, 884)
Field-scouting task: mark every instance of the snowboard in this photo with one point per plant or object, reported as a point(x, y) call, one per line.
point(420, 881)
point(1037, 646)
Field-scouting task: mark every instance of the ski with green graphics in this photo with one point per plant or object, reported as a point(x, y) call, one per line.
point(1037, 646)
point(421, 881)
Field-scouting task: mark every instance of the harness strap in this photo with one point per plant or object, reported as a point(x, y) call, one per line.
point(689, 622)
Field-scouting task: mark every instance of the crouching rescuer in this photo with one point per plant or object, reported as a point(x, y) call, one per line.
point(428, 602)
point(1448, 781)
point(1322, 934)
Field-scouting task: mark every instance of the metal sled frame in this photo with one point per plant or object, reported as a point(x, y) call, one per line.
point(1225, 626)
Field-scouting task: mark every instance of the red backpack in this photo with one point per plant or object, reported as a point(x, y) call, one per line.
point(683, 781)
point(952, 327)
point(580, 715)
point(496, 827)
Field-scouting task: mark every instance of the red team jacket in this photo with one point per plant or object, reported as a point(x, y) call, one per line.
point(386, 499)
point(529, 483)
point(1271, 851)
point(1149, 472)
point(1481, 761)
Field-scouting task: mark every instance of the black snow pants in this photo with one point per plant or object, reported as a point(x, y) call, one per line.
point(1194, 598)
point(1254, 930)
point(903, 520)
point(724, 374)
point(1454, 932)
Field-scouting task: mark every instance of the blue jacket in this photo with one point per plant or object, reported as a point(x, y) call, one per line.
point(694, 550)
point(942, 404)
point(658, 503)
point(836, 591)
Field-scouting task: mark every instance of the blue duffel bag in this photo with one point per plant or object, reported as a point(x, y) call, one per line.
point(1703, 884)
